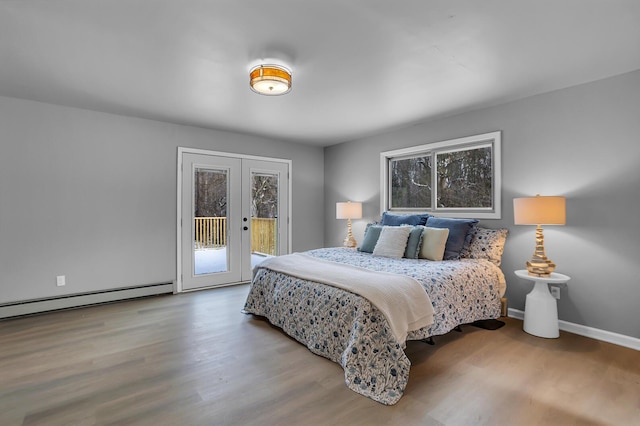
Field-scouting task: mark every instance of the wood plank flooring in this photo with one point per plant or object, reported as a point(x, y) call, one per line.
point(194, 359)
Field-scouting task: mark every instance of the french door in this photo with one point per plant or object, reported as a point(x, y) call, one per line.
point(233, 212)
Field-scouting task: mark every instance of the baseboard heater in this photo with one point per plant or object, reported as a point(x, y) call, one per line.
point(82, 299)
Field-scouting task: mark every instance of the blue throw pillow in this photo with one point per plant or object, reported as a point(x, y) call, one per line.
point(459, 234)
point(371, 235)
point(390, 219)
point(414, 242)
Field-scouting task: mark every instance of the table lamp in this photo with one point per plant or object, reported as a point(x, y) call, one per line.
point(348, 210)
point(539, 210)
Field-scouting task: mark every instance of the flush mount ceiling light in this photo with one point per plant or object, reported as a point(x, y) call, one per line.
point(270, 79)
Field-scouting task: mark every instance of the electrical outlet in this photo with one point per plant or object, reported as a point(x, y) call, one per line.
point(555, 291)
point(61, 280)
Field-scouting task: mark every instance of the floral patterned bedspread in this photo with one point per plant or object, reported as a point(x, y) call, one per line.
point(347, 329)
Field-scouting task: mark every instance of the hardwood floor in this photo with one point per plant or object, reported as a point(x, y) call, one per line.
point(194, 359)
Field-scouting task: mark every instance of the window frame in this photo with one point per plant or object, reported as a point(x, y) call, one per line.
point(491, 139)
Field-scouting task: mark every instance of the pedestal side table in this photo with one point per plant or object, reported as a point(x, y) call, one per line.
point(541, 308)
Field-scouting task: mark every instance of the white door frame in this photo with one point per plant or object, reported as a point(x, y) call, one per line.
point(177, 287)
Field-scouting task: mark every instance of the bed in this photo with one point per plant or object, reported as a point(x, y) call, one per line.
point(348, 329)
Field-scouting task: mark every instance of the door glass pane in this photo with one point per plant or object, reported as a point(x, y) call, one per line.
point(264, 216)
point(210, 248)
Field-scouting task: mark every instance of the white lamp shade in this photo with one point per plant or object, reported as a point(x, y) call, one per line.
point(348, 210)
point(539, 210)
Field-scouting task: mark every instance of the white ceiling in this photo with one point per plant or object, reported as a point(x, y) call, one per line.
point(360, 67)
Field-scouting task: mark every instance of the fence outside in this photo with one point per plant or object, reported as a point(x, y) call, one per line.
point(264, 237)
point(211, 232)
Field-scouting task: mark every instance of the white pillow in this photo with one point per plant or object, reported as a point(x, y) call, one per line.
point(434, 241)
point(392, 241)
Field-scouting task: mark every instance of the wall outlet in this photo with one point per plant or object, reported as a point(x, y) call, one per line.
point(555, 291)
point(61, 280)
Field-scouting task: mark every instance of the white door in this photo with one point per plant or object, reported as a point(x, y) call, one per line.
point(264, 212)
point(233, 214)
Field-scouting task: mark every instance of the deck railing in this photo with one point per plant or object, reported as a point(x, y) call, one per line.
point(211, 232)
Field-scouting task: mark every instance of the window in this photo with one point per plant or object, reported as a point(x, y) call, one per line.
point(459, 178)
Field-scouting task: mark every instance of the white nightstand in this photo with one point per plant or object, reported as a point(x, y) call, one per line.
point(541, 308)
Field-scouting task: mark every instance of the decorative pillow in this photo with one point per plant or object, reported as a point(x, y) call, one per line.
point(392, 241)
point(434, 241)
point(414, 242)
point(390, 219)
point(459, 234)
point(487, 244)
point(371, 235)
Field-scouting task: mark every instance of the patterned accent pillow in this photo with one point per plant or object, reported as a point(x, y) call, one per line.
point(392, 241)
point(487, 244)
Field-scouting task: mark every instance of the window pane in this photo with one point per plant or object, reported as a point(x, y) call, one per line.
point(411, 182)
point(465, 178)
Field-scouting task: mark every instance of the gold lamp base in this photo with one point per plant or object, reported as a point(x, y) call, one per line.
point(540, 269)
point(539, 265)
point(349, 241)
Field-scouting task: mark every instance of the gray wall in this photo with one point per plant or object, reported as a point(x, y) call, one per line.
point(583, 143)
point(93, 196)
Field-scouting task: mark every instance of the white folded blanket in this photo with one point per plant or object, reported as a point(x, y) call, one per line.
point(401, 299)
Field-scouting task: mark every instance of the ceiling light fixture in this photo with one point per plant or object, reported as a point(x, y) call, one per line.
point(270, 79)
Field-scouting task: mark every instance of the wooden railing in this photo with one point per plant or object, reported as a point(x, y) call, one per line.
point(211, 232)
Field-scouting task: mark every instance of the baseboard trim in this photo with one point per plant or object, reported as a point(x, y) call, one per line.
point(77, 300)
point(593, 333)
